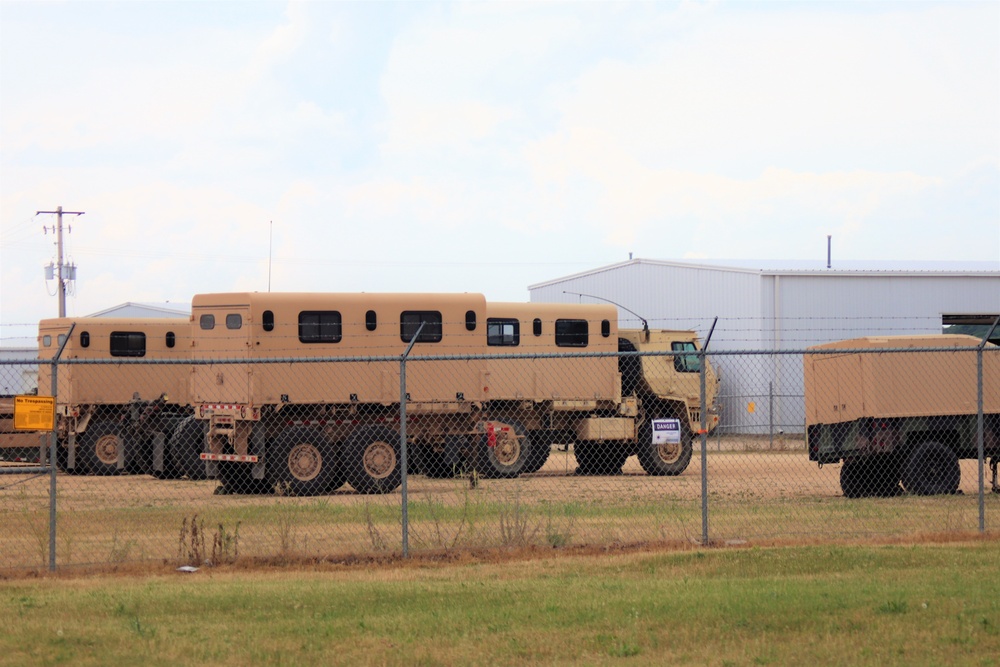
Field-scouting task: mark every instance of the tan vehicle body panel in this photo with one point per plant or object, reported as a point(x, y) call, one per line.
point(332, 382)
point(850, 386)
point(661, 374)
point(117, 383)
point(566, 379)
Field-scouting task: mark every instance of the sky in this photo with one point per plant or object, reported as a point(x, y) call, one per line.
point(481, 146)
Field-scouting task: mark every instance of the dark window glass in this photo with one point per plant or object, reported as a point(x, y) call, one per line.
point(207, 322)
point(571, 333)
point(171, 339)
point(410, 321)
point(234, 321)
point(605, 328)
point(268, 320)
point(320, 326)
point(536, 327)
point(128, 344)
point(686, 363)
point(470, 320)
point(371, 320)
point(503, 331)
point(84, 339)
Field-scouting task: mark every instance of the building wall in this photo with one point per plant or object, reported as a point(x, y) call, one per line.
point(769, 310)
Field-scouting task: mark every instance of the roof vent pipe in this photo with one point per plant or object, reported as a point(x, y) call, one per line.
point(828, 239)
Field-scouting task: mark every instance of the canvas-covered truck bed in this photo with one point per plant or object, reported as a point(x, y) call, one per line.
point(905, 415)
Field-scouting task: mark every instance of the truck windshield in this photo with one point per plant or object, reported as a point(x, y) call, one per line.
point(686, 363)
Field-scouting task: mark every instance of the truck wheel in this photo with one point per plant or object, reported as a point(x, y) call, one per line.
point(665, 459)
point(372, 460)
point(184, 450)
point(97, 449)
point(303, 463)
point(875, 475)
point(541, 447)
point(931, 469)
point(599, 458)
point(444, 464)
point(508, 457)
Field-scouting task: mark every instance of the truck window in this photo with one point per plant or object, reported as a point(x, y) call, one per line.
point(171, 339)
point(207, 322)
point(320, 326)
point(128, 344)
point(234, 321)
point(267, 321)
point(685, 363)
point(410, 321)
point(503, 332)
point(84, 339)
point(571, 333)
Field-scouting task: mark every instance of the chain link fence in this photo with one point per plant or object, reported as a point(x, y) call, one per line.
point(214, 460)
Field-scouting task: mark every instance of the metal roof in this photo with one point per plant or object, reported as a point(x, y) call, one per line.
point(145, 309)
point(773, 267)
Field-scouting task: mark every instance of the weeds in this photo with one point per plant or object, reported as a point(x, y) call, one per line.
point(191, 543)
point(121, 550)
point(515, 524)
point(374, 534)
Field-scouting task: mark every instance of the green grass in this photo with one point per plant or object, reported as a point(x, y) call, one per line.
point(824, 605)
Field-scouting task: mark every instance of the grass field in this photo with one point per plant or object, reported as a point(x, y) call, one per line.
point(929, 604)
point(754, 497)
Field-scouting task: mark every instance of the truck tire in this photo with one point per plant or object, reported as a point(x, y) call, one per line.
point(599, 458)
point(541, 448)
point(874, 475)
point(98, 447)
point(660, 460)
point(301, 462)
point(372, 460)
point(187, 442)
point(508, 457)
point(931, 469)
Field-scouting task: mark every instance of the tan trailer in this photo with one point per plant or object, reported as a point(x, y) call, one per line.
point(122, 416)
point(307, 427)
point(900, 417)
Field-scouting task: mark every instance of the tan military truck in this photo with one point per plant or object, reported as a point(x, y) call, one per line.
point(115, 417)
point(323, 407)
point(900, 417)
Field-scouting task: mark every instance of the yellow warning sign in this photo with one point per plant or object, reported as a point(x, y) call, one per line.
point(751, 407)
point(34, 413)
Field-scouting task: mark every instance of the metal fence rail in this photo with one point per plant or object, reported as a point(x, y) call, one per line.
point(331, 457)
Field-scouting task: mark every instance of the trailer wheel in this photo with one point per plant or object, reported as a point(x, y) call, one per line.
point(303, 463)
point(97, 449)
point(541, 448)
point(875, 475)
point(599, 458)
point(187, 442)
point(664, 459)
point(931, 469)
point(508, 456)
point(372, 460)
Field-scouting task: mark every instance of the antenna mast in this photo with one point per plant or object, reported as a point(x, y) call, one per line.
point(60, 267)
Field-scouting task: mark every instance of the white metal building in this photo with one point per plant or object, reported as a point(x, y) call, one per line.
point(783, 306)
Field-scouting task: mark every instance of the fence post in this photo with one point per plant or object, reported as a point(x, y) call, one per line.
point(979, 438)
point(402, 454)
point(53, 450)
point(405, 519)
point(53, 454)
point(704, 453)
point(703, 411)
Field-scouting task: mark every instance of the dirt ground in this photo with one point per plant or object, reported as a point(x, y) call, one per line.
point(736, 467)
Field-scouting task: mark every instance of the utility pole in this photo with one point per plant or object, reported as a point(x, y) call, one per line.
point(59, 212)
